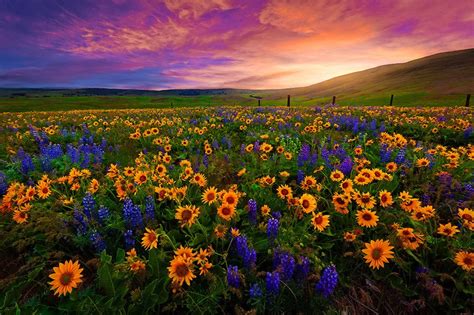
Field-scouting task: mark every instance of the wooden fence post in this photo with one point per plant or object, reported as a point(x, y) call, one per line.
point(288, 101)
point(468, 98)
point(391, 100)
point(333, 100)
point(258, 102)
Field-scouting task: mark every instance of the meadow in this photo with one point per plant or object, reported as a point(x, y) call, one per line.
point(246, 210)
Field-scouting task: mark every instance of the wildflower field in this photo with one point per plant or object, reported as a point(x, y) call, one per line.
point(237, 210)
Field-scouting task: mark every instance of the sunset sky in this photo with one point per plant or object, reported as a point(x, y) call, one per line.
point(151, 44)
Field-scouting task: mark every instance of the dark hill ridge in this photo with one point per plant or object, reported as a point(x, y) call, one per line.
point(437, 76)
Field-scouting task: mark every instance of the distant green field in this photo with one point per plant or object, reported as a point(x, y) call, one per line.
point(56, 103)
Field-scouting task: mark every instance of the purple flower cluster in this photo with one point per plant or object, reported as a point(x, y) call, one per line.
point(328, 282)
point(247, 254)
point(302, 269)
point(97, 241)
point(252, 211)
point(103, 213)
point(272, 228)
point(272, 281)
point(149, 208)
point(255, 291)
point(88, 203)
point(285, 264)
point(233, 278)
point(132, 214)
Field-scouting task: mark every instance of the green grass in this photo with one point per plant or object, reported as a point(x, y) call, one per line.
point(58, 103)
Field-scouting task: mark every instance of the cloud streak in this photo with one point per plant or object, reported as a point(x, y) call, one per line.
point(218, 43)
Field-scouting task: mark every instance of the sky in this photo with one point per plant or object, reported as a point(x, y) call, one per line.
point(152, 44)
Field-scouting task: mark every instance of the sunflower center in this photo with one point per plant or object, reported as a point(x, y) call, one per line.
point(318, 220)
point(230, 200)
point(365, 199)
point(284, 192)
point(45, 190)
point(467, 217)
point(468, 261)
point(226, 211)
point(367, 216)
point(305, 204)
point(182, 270)
point(384, 198)
point(447, 231)
point(142, 178)
point(151, 237)
point(376, 253)
point(186, 215)
point(211, 196)
point(65, 278)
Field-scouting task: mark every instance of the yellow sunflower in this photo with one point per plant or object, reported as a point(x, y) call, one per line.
point(336, 176)
point(320, 221)
point(377, 253)
point(150, 239)
point(187, 215)
point(230, 198)
point(181, 270)
point(284, 192)
point(66, 277)
point(308, 203)
point(385, 198)
point(210, 195)
point(465, 260)
point(447, 229)
point(226, 212)
point(367, 218)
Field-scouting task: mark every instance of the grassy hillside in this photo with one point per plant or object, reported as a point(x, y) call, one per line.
point(438, 80)
point(444, 77)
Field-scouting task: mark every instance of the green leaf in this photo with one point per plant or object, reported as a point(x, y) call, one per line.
point(105, 275)
point(120, 255)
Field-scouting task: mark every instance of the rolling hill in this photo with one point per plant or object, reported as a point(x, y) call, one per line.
point(440, 79)
point(443, 74)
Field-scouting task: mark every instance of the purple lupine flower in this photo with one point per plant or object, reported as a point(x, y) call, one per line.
point(129, 239)
point(233, 278)
point(250, 258)
point(205, 160)
point(272, 228)
point(255, 291)
point(325, 155)
point(256, 146)
point(79, 222)
point(241, 245)
point(103, 213)
point(302, 269)
point(276, 215)
point(385, 153)
point(132, 214)
point(346, 166)
point(299, 176)
point(400, 158)
point(304, 155)
point(27, 164)
point(252, 211)
point(328, 282)
point(97, 241)
point(149, 208)
point(287, 262)
point(46, 165)
point(88, 203)
point(272, 281)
